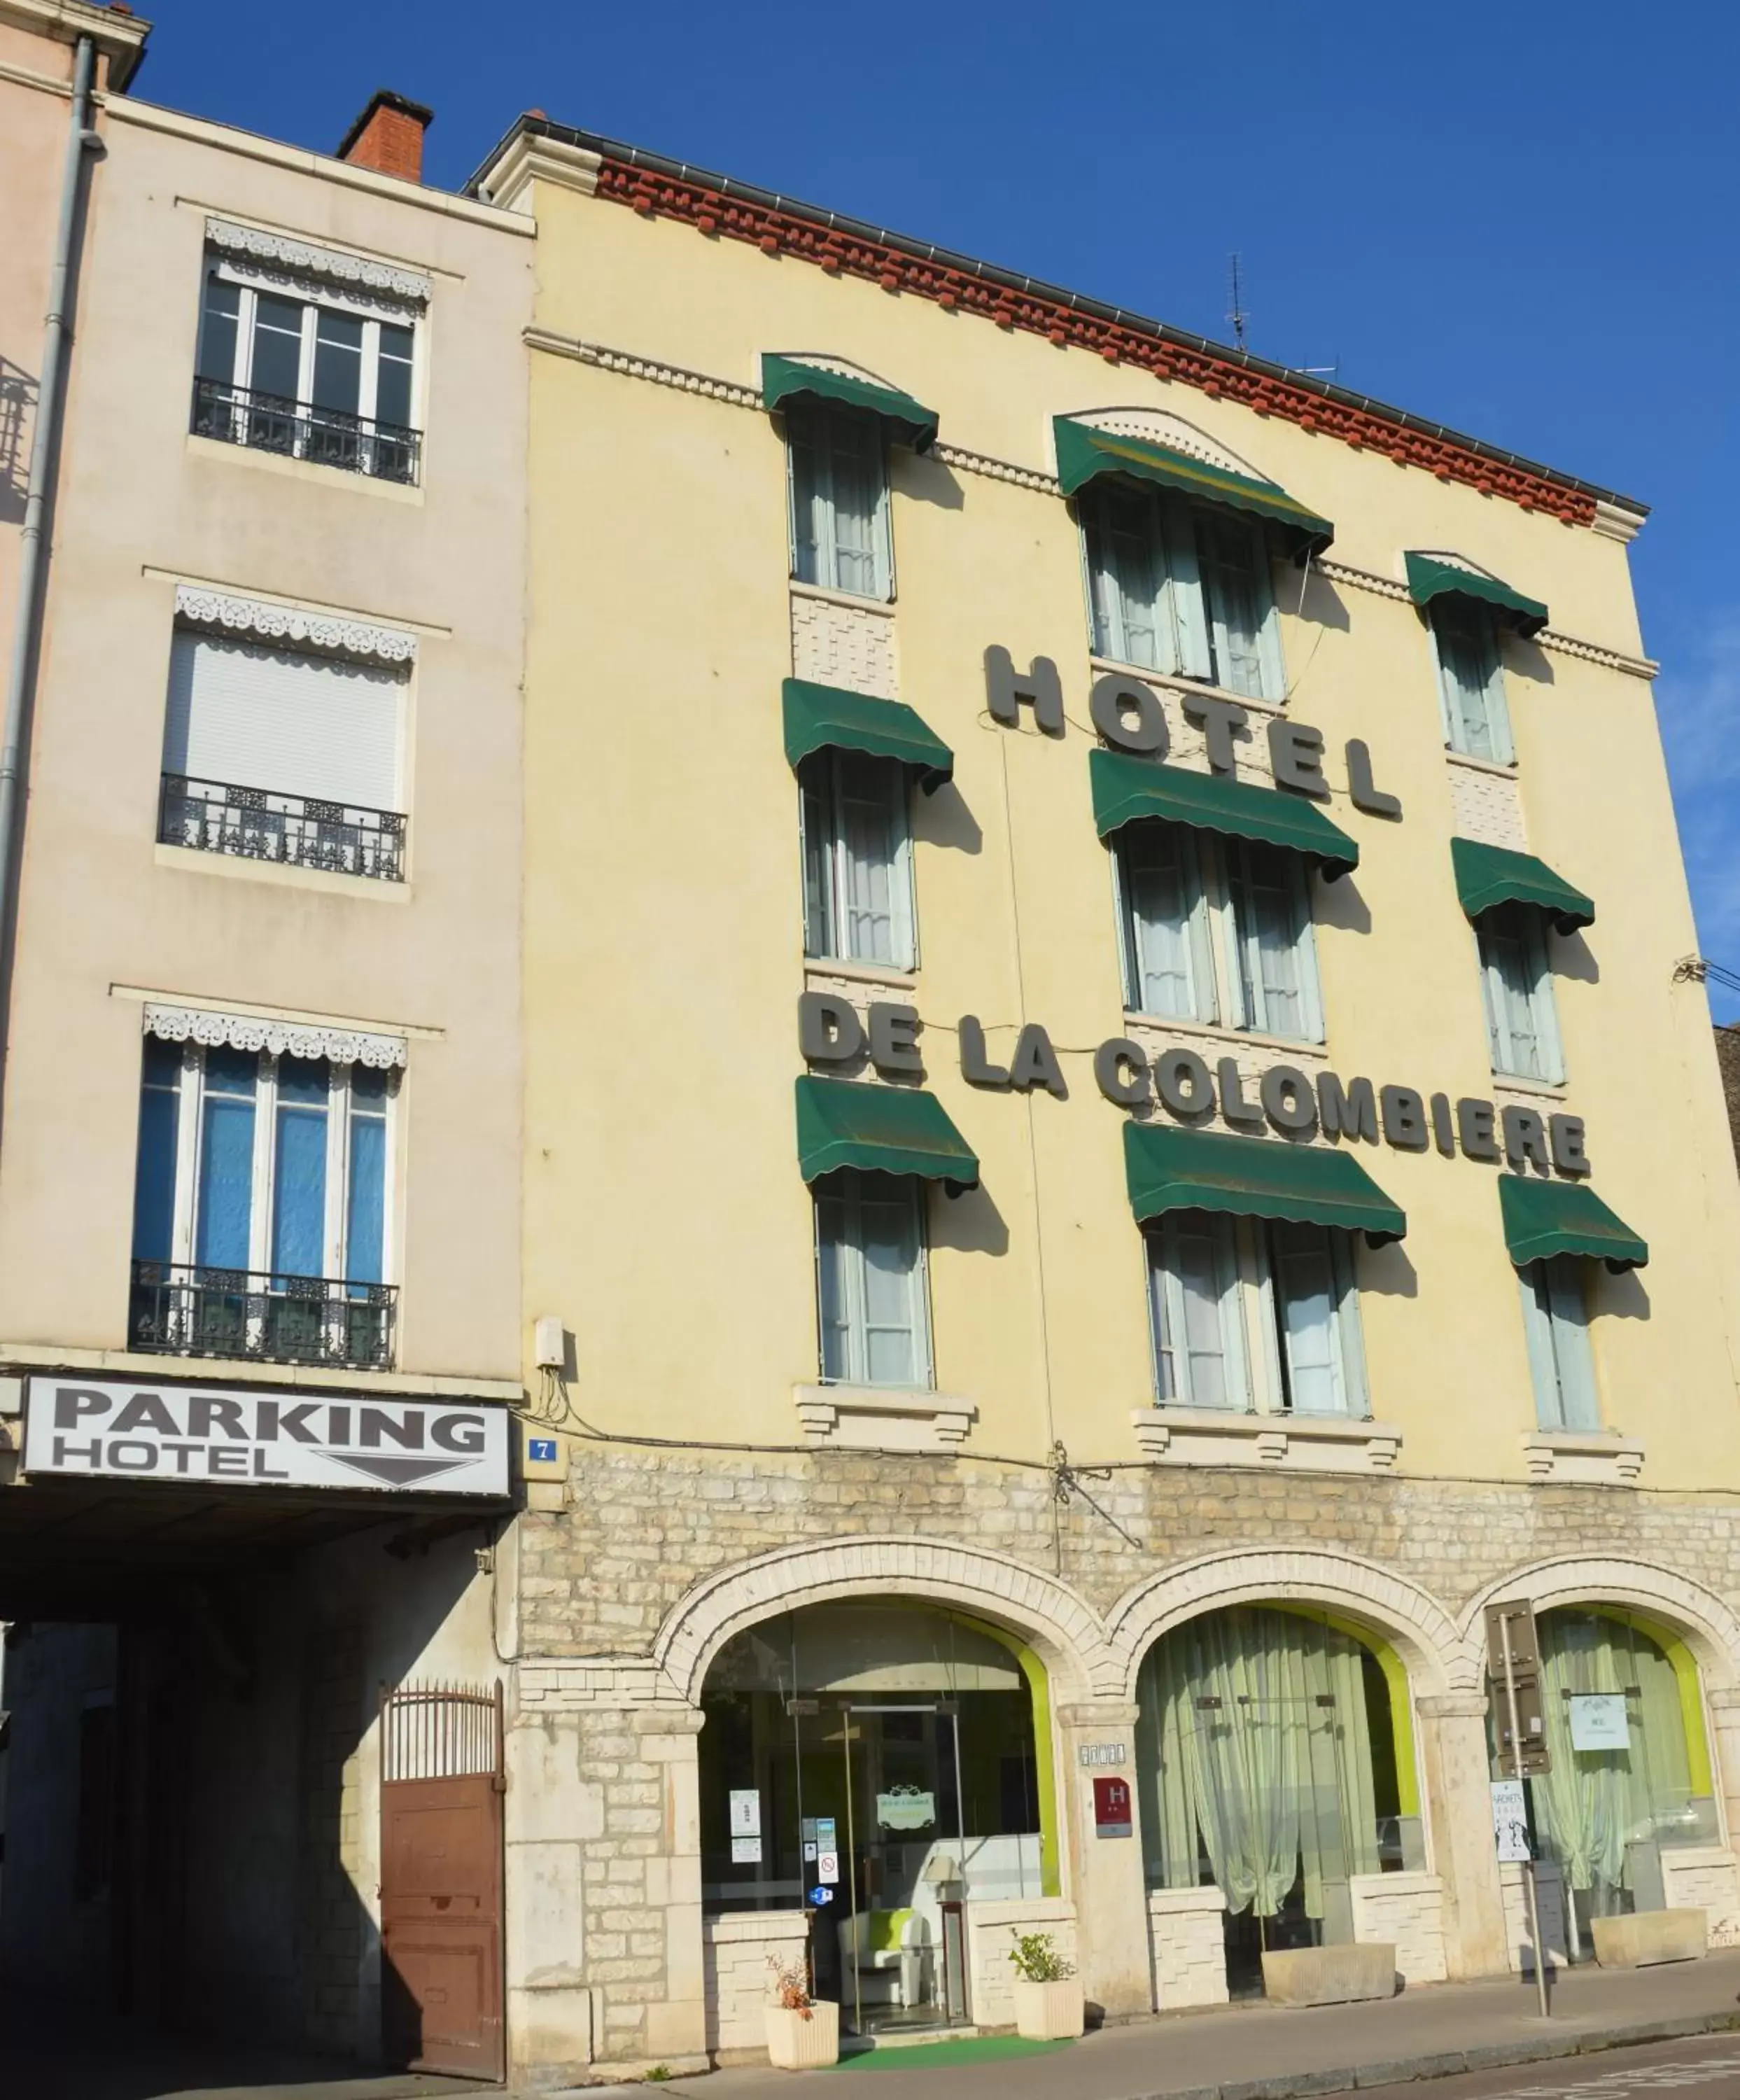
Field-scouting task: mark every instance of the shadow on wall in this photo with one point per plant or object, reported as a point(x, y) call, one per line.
point(194, 1862)
point(18, 398)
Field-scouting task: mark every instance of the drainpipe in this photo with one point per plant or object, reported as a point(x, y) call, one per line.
point(80, 139)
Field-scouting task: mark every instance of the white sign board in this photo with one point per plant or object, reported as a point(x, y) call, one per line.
point(1510, 1820)
point(256, 1438)
point(746, 1812)
point(1598, 1722)
point(746, 1851)
point(827, 1868)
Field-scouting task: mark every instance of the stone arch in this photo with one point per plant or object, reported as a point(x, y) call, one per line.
point(1710, 1627)
point(1063, 1630)
point(1423, 1632)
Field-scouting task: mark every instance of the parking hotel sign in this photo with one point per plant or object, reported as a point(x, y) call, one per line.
point(92, 1428)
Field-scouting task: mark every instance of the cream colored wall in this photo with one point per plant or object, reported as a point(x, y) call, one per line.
point(142, 503)
point(666, 1220)
point(34, 120)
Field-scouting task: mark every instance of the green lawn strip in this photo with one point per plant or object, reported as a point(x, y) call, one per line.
point(936, 2055)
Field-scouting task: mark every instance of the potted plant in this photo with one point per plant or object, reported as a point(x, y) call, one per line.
point(1048, 2006)
point(803, 2032)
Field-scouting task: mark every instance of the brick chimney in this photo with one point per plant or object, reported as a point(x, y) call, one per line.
point(388, 136)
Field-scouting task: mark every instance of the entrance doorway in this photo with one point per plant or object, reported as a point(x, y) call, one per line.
point(440, 1879)
point(878, 1767)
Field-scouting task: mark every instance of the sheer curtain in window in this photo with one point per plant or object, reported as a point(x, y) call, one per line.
point(838, 501)
point(1144, 588)
point(1234, 563)
point(1517, 981)
point(1168, 965)
point(857, 859)
point(1317, 1320)
point(1275, 957)
point(1471, 680)
point(870, 1280)
point(1555, 1314)
point(1256, 1734)
point(1199, 1336)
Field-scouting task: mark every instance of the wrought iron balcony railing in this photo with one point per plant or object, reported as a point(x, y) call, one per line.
point(273, 423)
point(294, 830)
point(186, 1309)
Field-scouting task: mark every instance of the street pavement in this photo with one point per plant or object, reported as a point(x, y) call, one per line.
point(1708, 2070)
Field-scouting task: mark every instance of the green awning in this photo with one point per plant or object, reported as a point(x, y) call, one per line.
point(909, 422)
point(1486, 875)
point(821, 717)
point(1169, 1169)
point(879, 1130)
point(1125, 788)
point(1085, 455)
point(1545, 1218)
point(1430, 576)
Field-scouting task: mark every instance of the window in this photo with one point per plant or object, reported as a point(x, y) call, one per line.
point(1517, 984)
point(1181, 895)
point(315, 379)
point(1199, 1331)
point(1163, 912)
point(1556, 1317)
point(1181, 589)
point(1316, 1320)
point(870, 1280)
point(857, 859)
point(1274, 947)
point(1471, 680)
point(839, 501)
point(283, 757)
point(259, 1224)
point(1214, 1282)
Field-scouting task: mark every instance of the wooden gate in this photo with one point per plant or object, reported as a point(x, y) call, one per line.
point(440, 1879)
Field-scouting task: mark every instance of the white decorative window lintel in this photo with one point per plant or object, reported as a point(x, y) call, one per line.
point(282, 1038)
point(302, 258)
point(327, 632)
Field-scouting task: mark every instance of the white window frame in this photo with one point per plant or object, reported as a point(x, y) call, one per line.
point(1203, 1001)
point(190, 1125)
point(1494, 706)
point(1346, 1331)
point(1226, 982)
point(313, 296)
point(1537, 993)
point(848, 1188)
point(823, 420)
point(1561, 1354)
point(903, 910)
point(1168, 1326)
point(1189, 626)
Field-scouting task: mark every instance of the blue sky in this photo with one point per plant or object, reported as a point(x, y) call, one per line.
point(1514, 218)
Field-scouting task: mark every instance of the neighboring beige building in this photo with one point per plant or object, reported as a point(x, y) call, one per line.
point(1078, 759)
point(259, 1186)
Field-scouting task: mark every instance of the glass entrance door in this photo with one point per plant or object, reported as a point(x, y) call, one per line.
point(901, 1935)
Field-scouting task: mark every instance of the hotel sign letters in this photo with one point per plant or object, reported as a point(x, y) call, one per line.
point(254, 1439)
point(1283, 1099)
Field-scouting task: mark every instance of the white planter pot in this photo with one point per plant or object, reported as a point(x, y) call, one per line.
point(803, 2041)
point(1048, 2012)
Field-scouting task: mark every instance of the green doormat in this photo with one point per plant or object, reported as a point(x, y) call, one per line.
point(937, 2055)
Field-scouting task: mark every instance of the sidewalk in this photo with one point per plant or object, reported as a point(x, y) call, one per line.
point(1263, 2052)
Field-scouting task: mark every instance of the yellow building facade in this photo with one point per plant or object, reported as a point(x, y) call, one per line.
point(1073, 760)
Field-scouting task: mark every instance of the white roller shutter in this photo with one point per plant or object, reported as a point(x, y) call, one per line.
point(251, 717)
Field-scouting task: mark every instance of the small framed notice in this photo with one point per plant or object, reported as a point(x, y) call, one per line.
point(746, 1813)
point(746, 1851)
point(1510, 1820)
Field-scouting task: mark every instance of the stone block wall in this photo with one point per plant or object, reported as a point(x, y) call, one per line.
point(1703, 1877)
point(737, 1951)
point(641, 1528)
point(1550, 1895)
point(1188, 1945)
point(991, 1931)
point(1407, 1910)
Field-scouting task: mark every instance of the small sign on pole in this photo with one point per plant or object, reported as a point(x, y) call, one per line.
point(1112, 1811)
point(1510, 1821)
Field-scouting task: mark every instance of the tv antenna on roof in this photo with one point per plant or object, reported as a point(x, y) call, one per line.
point(1237, 315)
